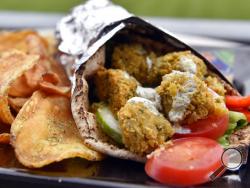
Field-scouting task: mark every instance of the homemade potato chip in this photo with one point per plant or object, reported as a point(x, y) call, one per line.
point(34, 75)
point(4, 134)
point(27, 41)
point(17, 103)
point(4, 138)
point(25, 85)
point(31, 42)
point(51, 77)
point(49, 88)
point(12, 65)
point(19, 88)
point(44, 132)
point(29, 81)
point(57, 68)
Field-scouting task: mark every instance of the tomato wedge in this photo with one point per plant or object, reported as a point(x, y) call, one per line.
point(211, 127)
point(237, 101)
point(189, 161)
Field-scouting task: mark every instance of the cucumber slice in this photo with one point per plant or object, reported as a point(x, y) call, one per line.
point(109, 124)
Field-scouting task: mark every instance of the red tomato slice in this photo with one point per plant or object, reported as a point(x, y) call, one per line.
point(189, 161)
point(237, 101)
point(211, 127)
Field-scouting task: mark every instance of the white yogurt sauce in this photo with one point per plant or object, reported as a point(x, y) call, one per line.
point(182, 98)
point(188, 65)
point(181, 130)
point(147, 103)
point(150, 94)
point(149, 63)
point(126, 75)
point(216, 96)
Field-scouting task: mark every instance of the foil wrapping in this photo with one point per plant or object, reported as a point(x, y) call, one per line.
point(81, 27)
point(89, 26)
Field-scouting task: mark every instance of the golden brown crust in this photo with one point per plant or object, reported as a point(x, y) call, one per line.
point(142, 130)
point(202, 101)
point(131, 58)
point(172, 61)
point(214, 84)
point(115, 87)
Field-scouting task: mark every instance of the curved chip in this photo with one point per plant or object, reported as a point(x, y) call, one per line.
point(51, 77)
point(44, 132)
point(49, 88)
point(17, 103)
point(31, 42)
point(57, 68)
point(4, 138)
point(25, 85)
point(19, 88)
point(12, 65)
point(27, 41)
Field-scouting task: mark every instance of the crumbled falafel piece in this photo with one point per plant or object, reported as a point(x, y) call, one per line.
point(213, 83)
point(186, 98)
point(122, 87)
point(183, 61)
point(134, 59)
point(101, 84)
point(115, 86)
point(143, 130)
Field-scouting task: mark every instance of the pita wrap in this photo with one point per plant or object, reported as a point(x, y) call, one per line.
point(86, 121)
point(92, 133)
point(90, 47)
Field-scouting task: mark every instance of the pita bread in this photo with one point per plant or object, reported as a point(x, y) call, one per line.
point(86, 121)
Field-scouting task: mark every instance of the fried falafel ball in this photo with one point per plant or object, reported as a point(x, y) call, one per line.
point(101, 84)
point(183, 61)
point(115, 86)
point(213, 83)
point(143, 128)
point(186, 99)
point(134, 59)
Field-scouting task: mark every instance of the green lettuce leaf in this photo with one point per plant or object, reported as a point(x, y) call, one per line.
point(237, 120)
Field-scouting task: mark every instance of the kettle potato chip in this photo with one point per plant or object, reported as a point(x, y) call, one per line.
point(51, 77)
point(19, 88)
point(12, 65)
point(49, 88)
point(4, 138)
point(17, 103)
point(44, 132)
point(27, 41)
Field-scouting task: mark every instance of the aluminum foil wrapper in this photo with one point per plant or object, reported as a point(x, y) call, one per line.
point(89, 26)
point(82, 27)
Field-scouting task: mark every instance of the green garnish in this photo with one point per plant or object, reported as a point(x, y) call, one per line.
point(237, 120)
point(109, 124)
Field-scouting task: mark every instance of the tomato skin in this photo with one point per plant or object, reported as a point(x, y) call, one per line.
point(212, 127)
point(193, 166)
point(237, 101)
